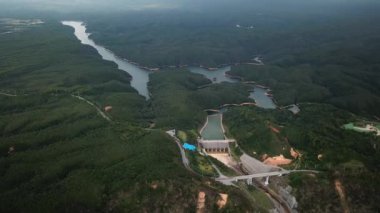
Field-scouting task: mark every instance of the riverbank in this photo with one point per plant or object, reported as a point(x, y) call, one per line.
point(140, 77)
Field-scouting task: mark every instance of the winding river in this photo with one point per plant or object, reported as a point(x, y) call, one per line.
point(140, 77)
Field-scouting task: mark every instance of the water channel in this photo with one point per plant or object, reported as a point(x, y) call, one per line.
point(213, 129)
point(140, 77)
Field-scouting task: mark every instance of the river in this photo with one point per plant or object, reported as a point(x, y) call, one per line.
point(140, 77)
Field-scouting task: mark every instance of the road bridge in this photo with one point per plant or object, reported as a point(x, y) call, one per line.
point(248, 178)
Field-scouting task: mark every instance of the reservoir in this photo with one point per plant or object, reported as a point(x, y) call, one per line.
point(261, 98)
point(213, 129)
point(219, 75)
point(216, 76)
point(140, 77)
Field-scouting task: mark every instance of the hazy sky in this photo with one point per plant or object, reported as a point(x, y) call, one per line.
point(91, 4)
point(99, 5)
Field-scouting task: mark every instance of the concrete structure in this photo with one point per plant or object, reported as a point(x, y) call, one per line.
point(215, 146)
point(285, 193)
point(248, 178)
point(259, 175)
point(251, 165)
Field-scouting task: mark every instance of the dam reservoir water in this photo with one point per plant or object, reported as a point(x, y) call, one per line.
point(216, 76)
point(262, 99)
point(213, 129)
point(219, 75)
point(140, 77)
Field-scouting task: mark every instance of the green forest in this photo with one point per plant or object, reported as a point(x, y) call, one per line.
point(57, 154)
point(179, 98)
point(62, 151)
point(325, 146)
point(310, 56)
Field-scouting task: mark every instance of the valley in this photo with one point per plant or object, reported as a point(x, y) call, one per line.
point(218, 108)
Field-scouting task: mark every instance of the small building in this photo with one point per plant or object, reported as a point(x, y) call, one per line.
point(171, 132)
point(108, 108)
point(189, 147)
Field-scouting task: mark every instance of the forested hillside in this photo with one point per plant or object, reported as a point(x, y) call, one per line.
point(75, 136)
point(59, 154)
point(316, 132)
point(327, 55)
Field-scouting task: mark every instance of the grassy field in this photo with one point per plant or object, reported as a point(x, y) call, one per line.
point(359, 126)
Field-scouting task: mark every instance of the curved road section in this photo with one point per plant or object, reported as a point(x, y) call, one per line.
point(185, 160)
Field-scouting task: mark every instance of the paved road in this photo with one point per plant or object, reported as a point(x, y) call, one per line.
point(259, 175)
point(185, 160)
point(7, 94)
point(75, 96)
point(93, 105)
point(253, 166)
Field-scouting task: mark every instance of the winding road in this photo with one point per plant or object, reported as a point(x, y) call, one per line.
point(93, 105)
point(185, 160)
point(7, 94)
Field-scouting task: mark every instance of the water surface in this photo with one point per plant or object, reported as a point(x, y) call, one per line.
point(262, 99)
point(219, 75)
point(213, 129)
point(216, 76)
point(140, 77)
